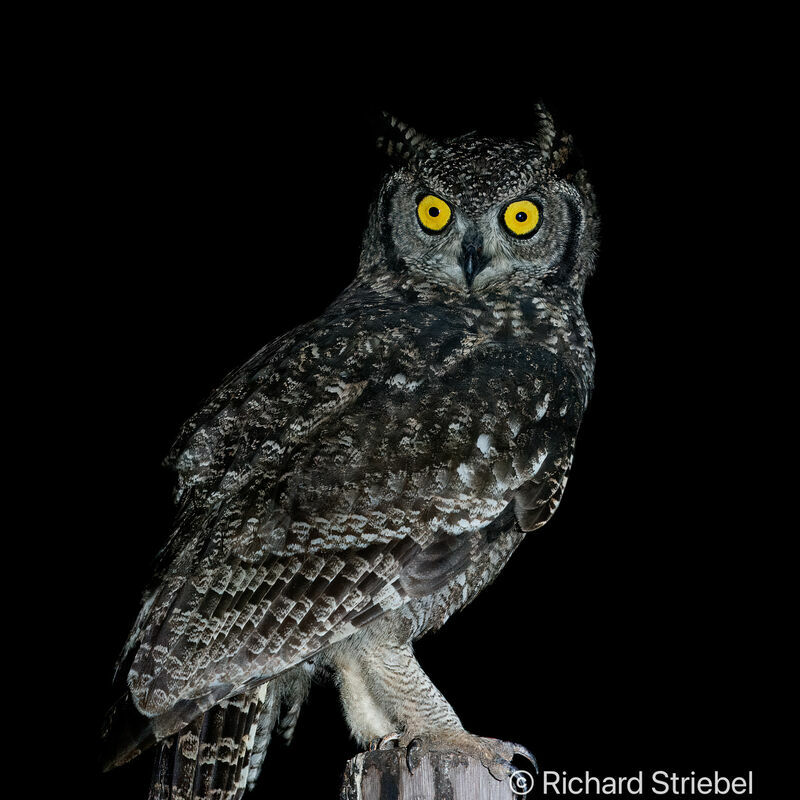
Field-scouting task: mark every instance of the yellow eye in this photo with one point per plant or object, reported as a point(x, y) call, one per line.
point(433, 213)
point(521, 217)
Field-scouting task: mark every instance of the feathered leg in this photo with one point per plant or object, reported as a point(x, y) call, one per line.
point(386, 695)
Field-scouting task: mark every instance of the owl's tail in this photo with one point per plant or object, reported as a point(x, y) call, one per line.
point(219, 754)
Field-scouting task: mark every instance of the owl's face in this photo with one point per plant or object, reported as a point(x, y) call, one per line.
point(473, 215)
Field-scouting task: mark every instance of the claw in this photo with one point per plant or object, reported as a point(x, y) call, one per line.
point(519, 750)
point(390, 737)
point(380, 742)
point(414, 754)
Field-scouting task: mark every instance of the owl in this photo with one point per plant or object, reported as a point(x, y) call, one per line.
point(364, 476)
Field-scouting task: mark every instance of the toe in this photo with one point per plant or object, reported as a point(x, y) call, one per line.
point(500, 769)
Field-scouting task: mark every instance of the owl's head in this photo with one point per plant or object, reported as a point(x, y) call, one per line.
point(477, 215)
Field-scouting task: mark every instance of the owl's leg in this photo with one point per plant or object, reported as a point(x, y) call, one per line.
point(387, 696)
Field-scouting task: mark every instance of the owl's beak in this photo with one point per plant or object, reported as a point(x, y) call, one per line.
point(472, 258)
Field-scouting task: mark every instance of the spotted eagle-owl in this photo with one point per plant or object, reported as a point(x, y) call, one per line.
point(364, 476)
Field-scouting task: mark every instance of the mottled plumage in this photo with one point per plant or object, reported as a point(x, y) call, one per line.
point(365, 475)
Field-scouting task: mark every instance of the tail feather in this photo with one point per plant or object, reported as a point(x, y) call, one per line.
point(265, 724)
point(264, 727)
point(207, 750)
point(210, 734)
point(233, 756)
point(210, 758)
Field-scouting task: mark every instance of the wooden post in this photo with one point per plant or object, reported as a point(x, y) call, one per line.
point(383, 775)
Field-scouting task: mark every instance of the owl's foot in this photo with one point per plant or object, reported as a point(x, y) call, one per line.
point(494, 754)
point(383, 742)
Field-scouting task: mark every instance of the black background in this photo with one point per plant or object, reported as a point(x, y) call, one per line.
point(227, 193)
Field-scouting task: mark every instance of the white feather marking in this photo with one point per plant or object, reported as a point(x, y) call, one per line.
point(541, 408)
point(537, 465)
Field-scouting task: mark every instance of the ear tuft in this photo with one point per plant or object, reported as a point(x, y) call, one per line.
point(401, 140)
point(545, 132)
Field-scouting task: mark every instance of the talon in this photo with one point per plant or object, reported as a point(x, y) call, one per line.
point(519, 750)
point(414, 753)
point(390, 737)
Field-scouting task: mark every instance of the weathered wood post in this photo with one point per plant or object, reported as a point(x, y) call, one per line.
point(383, 775)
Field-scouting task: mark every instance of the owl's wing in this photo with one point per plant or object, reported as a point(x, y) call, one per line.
point(327, 489)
